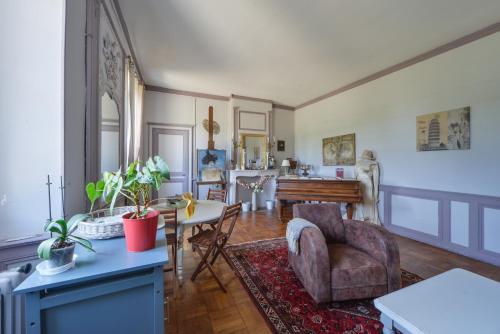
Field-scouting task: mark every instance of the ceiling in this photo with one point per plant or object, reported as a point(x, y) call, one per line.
point(288, 51)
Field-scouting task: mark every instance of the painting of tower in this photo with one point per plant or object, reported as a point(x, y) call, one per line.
point(434, 135)
point(446, 130)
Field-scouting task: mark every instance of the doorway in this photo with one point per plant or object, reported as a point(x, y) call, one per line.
point(174, 145)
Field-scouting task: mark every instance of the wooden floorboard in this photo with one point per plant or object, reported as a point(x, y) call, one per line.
point(201, 307)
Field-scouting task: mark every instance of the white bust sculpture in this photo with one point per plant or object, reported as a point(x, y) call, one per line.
point(368, 173)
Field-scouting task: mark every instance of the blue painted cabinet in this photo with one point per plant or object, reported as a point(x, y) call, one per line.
point(111, 291)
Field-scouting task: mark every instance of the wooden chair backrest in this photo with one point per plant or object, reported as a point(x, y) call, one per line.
point(217, 195)
point(170, 217)
point(229, 214)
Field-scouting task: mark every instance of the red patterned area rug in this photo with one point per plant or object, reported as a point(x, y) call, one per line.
point(263, 269)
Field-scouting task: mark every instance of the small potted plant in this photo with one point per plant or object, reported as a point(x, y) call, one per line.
point(135, 185)
point(58, 251)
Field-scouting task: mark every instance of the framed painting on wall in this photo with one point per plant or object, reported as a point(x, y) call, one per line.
point(445, 130)
point(281, 145)
point(211, 164)
point(339, 150)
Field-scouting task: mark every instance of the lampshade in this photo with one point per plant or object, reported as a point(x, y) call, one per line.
point(285, 163)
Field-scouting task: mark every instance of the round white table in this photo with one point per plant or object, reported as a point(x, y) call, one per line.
point(205, 211)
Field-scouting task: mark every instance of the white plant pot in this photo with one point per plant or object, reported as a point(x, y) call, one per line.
point(269, 204)
point(254, 201)
point(245, 206)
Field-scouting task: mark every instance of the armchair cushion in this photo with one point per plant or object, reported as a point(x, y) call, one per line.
point(381, 246)
point(355, 273)
point(326, 216)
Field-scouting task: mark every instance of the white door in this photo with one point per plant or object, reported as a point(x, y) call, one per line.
point(173, 145)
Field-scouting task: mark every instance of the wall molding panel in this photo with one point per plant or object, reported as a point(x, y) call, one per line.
point(475, 231)
point(252, 121)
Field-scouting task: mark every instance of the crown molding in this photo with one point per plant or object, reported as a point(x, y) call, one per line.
point(282, 106)
point(249, 98)
point(153, 88)
point(186, 93)
point(489, 30)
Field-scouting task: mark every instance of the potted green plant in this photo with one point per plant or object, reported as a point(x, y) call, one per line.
point(58, 251)
point(136, 185)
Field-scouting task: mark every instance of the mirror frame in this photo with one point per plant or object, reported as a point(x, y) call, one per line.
point(101, 81)
point(244, 136)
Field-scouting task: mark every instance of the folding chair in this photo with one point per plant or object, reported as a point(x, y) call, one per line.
point(213, 195)
point(214, 241)
point(170, 217)
point(217, 195)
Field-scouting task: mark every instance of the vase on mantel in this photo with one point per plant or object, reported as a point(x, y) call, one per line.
point(254, 201)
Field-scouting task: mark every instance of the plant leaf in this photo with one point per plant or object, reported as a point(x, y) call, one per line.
point(100, 188)
point(84, 242)
point(91, 192)
point(58, 226)
point(53, 227)
point(74, 221)
point(117, 190)
point(162, 166)
point(132, 168)
point(151, 165)
point(45, 247)
point(157, 178)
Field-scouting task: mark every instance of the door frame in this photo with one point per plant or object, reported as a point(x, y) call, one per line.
point(166, 126)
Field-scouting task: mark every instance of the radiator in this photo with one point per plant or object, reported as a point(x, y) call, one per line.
point(11, 307)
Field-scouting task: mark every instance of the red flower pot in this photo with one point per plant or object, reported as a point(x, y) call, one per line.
point(140, 234)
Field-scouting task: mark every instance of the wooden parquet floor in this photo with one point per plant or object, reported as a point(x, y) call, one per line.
point(201, 307)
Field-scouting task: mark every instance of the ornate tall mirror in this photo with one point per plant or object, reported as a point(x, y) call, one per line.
point(110, 98)
point(256, 149)
point(109, 159)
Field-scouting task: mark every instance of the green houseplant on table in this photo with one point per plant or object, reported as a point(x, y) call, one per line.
point(135, 185)
point(58, 251)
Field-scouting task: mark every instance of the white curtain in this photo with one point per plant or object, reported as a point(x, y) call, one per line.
point(129, 117)
point(138, 109)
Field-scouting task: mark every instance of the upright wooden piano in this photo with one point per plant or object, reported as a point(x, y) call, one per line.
point(321, 190)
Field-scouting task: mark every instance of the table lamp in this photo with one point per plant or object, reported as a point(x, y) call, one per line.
point(285, 163)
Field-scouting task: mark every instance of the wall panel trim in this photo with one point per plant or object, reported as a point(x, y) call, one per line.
point(477, 204)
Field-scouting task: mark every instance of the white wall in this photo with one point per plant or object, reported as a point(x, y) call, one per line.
point(74, 107)
point(382, 114)
point(31, 112)
point(174, 109)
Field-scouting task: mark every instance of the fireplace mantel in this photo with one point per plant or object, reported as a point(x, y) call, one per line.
point(268, 191)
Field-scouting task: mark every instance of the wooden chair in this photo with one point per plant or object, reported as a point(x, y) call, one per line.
point(217, 195)
point(214, 241)
point(213, 195)
point(170, 217)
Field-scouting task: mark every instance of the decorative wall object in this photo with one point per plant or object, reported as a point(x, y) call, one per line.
point(368, 173)
point(209, 125)
point(219, 128)
point(111, 60)
point(339, 173)
point(339, 150)
point(281, 145)
point(445, 130)
point(211, 164)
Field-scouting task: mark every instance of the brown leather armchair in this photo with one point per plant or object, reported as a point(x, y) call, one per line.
point(344, 259)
